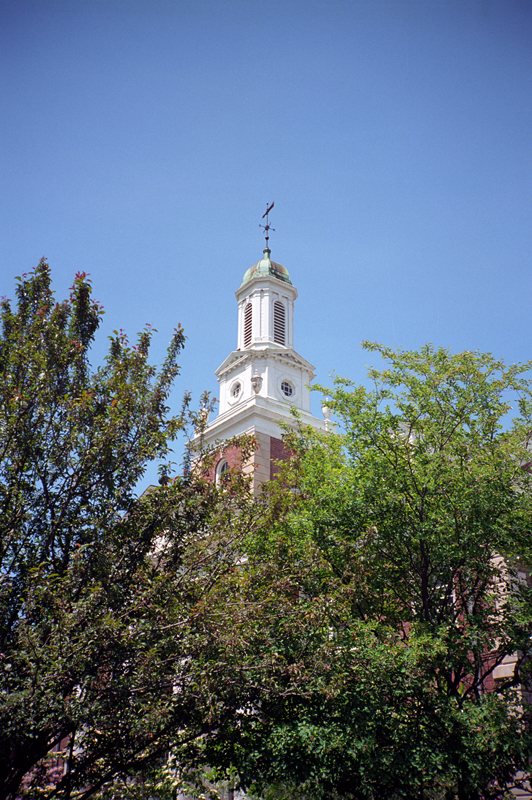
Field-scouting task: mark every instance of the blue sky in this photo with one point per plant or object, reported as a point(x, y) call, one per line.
point(140, 142)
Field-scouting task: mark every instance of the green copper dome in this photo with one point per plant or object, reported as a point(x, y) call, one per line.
point(267, 268)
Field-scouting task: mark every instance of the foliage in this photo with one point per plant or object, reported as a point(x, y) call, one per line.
point(362, 631)
point(100, 591)
point(386, 606)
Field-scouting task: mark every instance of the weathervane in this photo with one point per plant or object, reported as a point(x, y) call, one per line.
point(267, 227)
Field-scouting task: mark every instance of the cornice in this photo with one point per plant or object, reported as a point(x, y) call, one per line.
point(239, 358)
point(267, 282)
point(259, 414)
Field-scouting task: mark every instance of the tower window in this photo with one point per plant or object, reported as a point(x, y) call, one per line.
point(247, 324)
point(278, 323)
point(287, 389)
point(235, 390)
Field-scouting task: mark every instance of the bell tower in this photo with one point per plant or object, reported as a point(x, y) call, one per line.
point(264, 378)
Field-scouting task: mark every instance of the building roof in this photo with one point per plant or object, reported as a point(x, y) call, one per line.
point(266, 267)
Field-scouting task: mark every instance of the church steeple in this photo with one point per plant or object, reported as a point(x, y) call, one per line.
point(264, 378)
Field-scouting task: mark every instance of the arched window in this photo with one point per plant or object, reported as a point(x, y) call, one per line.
point(221, 471)
point(248, 330)
point(278, 323)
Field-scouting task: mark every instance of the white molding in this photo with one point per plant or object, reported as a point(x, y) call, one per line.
point(281, 355)
point(258, 415)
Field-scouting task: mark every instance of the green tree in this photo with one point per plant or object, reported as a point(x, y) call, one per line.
point(99, 590)
point(388, 612)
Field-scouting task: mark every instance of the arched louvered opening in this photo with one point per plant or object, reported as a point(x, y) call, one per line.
point(248, 319)
point(278, 323)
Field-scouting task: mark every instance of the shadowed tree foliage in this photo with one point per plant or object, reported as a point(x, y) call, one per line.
point(99, 591)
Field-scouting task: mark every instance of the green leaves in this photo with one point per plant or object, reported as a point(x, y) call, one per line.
point(96, 585)
point(392, 592)
point(362, 630)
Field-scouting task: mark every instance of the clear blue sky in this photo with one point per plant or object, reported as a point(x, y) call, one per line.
point(140, 141)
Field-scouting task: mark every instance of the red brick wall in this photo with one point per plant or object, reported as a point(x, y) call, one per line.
point(278, 452)
point(233, 456)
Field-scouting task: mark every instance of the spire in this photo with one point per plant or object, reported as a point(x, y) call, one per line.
point(267, 228)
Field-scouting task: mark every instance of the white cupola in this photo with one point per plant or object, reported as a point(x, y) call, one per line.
point(266, 306)
point(265, 363)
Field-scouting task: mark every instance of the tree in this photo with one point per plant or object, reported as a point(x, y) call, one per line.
point(388, 613)
point(99, 589)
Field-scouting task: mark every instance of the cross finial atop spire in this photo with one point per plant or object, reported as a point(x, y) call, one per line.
point(267, 227)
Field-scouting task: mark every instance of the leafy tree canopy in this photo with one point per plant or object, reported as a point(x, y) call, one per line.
point(100, 592)
point(386, 605)
point(363, 631)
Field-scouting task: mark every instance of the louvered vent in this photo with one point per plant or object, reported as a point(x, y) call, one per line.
point(278, 322)
point(247, 325)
